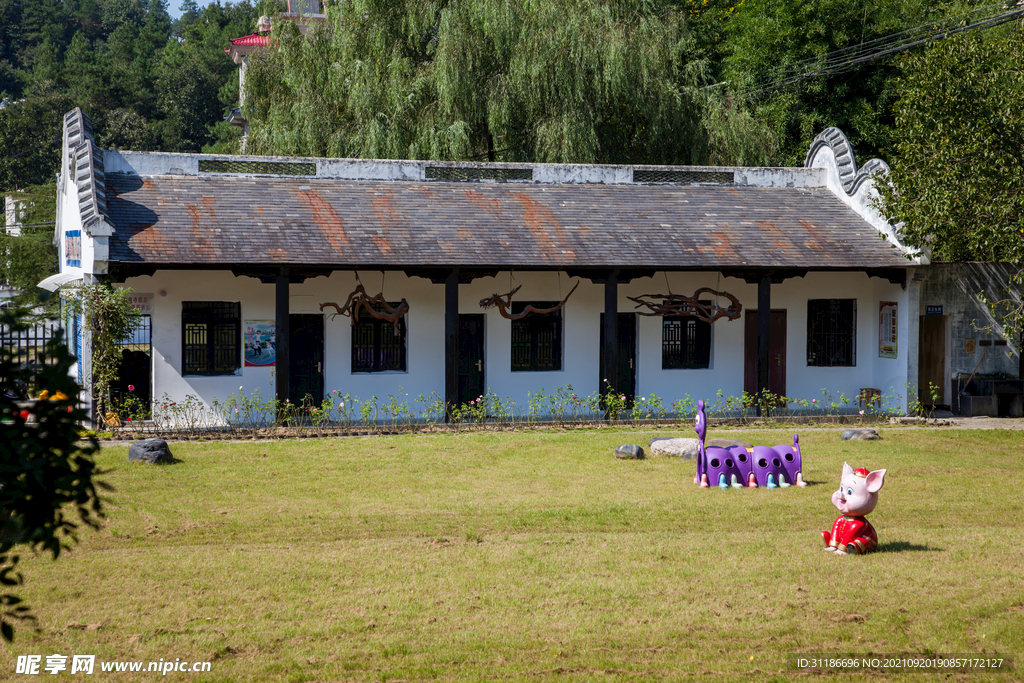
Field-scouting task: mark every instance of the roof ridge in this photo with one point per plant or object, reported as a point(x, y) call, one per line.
point(86, 168)
point(850, 176)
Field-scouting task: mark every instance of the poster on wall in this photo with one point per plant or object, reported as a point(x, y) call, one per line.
point(887, 329)
point(260, 344)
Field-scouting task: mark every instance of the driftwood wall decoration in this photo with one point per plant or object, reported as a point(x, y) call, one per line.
point(360, 300)
point(677, 304)
point(504, 304)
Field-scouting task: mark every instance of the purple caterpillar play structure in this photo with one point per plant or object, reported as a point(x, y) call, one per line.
point(736, 467)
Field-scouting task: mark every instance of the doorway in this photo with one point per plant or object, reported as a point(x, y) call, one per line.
point(470, 367)
point(776, 353)
point(627, 356)
point(306, 359)
point(931, 361)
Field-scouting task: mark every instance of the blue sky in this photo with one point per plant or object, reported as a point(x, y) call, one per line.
point(174, 8)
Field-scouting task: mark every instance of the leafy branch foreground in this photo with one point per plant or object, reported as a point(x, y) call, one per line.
point(251, 415)
point(47, 472)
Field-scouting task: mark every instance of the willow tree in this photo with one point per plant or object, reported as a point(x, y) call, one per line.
point(580, 81)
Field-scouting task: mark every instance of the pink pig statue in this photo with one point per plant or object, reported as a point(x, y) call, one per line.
point(857, 496)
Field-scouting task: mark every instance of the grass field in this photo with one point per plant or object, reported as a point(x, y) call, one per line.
point(532, 556)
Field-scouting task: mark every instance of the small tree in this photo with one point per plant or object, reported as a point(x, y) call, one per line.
point(957, 180)
point(45, 466)
point(110, 318)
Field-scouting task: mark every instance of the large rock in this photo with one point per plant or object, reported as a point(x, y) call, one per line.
point(629, 452)
point(153, 451)
point(679, 447)
point(861, 435)
point(726, 443)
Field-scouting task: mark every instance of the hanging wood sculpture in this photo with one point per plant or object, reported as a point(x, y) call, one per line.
point(677, 304)
point(504, 304)
point(360, 300)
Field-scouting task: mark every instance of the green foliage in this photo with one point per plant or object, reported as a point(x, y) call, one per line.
point(110, 318)
point(30, 135)
point(47, 472)
point(31, 256)
point(765, 36)
point(588, 81)
point(119, 62)
point(957, 180)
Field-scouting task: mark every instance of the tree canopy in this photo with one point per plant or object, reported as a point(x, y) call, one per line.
point(584, 81)
point(957, 182)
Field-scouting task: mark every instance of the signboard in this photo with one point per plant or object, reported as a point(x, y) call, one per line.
point(887, 329)
point(260, 344)
point(73, 248)
point(143, 303)
point(933, 310)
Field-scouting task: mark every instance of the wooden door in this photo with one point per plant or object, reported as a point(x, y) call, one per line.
point(931, 360)
point(306, 362)
point(776, 354)
point(470, 367)
point(627, 356)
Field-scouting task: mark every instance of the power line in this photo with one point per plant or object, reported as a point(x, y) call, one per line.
point(849, 58)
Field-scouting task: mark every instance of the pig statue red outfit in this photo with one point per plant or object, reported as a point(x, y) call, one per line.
point(857, 496)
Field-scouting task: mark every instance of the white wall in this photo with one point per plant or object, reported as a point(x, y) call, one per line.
point(581, 334)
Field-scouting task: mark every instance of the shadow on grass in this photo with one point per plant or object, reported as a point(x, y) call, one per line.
point(904, 546)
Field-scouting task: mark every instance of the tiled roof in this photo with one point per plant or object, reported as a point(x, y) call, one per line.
point(254, 39)
point(208, 220)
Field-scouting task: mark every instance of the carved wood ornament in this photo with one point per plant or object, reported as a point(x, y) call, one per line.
point(504, 304)
point(677, 304)
point(360, 300)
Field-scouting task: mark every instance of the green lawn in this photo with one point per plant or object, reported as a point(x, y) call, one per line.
point(532, 556)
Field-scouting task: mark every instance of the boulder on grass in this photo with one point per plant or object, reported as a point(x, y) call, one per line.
point(860, 435)
point(726, 443)
point(153, 451)
point(629, 452)
point(680, 447)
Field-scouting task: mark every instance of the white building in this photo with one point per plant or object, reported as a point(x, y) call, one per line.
point(220, 246)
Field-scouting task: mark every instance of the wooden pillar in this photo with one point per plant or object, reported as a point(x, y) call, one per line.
point(610, 352)
point(282, 335)
point(451, 341)
point(764, 318)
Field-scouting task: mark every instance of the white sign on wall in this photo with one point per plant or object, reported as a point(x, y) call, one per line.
point(143, 303)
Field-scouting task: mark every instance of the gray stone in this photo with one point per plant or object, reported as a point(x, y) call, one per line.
point(725, 443)
point(153, 451)
point(680, 447)
point(860, 435)
point(629, 452)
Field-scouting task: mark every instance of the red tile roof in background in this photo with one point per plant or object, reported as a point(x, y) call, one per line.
point(254, 39)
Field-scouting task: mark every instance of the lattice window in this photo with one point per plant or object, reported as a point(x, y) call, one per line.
point(642, 176)
point(377, 346)
point(478, 173)
point(537, 338)
point(685, 343)
point(242, 167)
point(832, 332)
point(211, 337)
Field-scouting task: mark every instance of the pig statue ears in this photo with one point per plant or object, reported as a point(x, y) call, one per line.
point(847, 469)
point(875, 480)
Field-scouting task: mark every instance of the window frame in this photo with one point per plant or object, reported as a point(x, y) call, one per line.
point(379, 330)
point(701, 360)
point(214, 326)
point(534, 326)
point(828, 347)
